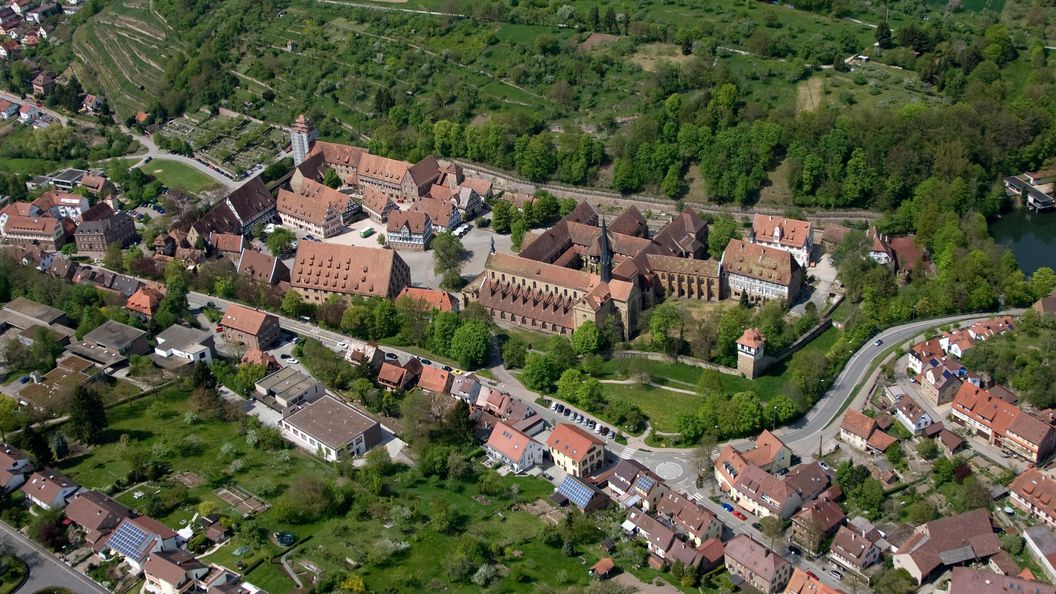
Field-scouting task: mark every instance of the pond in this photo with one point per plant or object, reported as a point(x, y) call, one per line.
point(1031, 237)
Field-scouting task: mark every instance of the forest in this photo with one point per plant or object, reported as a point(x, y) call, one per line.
point(691, 101)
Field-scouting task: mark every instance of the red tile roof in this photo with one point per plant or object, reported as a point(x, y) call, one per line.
point(508, 442)
point(431, 298)
point(346, 269)
point(857, 423)
point(792, 233)
point(571, 441)
point(801, 583)
point(434, 379)
point(759, 262)
point(244, 319)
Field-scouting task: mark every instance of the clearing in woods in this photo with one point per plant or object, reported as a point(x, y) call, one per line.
point(650, 54)
point(809, 94)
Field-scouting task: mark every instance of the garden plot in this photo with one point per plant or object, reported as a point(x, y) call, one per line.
point(233, 144)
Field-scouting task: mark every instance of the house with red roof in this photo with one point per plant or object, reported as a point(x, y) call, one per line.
point(516, 450)
point(575, 451)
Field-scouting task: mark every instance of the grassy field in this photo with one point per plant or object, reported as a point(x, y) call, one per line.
point(663, 407)
point(179, 176)
point(220, 455)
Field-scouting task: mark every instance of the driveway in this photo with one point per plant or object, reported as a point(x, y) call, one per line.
point(45, 571)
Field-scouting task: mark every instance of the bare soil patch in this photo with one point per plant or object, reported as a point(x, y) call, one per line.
point(597, 39)
point(775, 191)
point(809, 94)
point(651, 54)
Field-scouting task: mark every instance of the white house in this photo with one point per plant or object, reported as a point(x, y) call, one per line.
point(49, 489)
point(911, 415)
point(8, 109)
point(186, 344)
point(331, 429)
point(513, 448)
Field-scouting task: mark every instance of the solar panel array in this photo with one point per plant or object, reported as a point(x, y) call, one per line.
point(576, 492)
point(645, 482)
point(129, 540)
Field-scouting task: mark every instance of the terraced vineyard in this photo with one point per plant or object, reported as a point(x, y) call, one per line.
point(124, 50)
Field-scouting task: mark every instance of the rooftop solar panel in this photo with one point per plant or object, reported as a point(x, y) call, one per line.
point(576, 492)
point(129, 540)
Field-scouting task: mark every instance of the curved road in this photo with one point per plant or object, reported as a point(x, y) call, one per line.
point(45, 570)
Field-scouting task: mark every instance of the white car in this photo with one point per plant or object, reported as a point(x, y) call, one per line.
point(292, 361)
point(343, 345)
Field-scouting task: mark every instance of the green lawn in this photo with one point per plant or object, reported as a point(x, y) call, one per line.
point(663, 407)
point(178, 176)
point(219, 453)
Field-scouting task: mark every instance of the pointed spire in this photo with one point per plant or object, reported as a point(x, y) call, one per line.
point(605, 253)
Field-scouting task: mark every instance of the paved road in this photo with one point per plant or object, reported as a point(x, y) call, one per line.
point(44, 569)
point(19, 100)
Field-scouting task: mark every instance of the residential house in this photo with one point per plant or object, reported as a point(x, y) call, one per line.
point(410, 230)
point(950, 442)
point(27, 112)
point(969, 580)
point(769, 453)
point(620, 478)
point(431, 299)
point(331, 429)
point(514, 449)
point(988, 329)
point(91, 104)
point(315, 209)
point(49, 489)
point(8, 109)
point(647, 490)
point(760, 273)
point(879, 249)
point(1045, 306)
point(287, 388)
point(321, 270)
point(956, 342)
point(924, 352)
point(135, 539)
point(942, 378)
point(367, 354)
point(442, 212)
point(785, 234)
point(861, 432)
point(9, 49)
point(180, 346)
point(262, 358)
point(96, 236)
point(911, 415)
point(396, 377)
point(213, 528)
point(38, 14)
point(466, 388)
point(689, 517)
point(98, 186)
point(586, 497)
point(964, 538)
point(96, 515)
point(802, 582)
point(377, 204)
point(1041, 544)
point(764, 494)
point(750, 562)
point(1003, 424)
point(144, 302)
point(855, 548)
point(434, 380)
point(810, 481)
point(42, 84)
point(575, 451)
point(815, 523)
point(13, 459)
point(251, 327)
point(172, 572)
point(262, 268)
point(227, 245)
point(1034, 492)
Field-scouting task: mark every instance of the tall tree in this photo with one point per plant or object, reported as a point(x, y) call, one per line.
point(448, 255)
point(87, 414)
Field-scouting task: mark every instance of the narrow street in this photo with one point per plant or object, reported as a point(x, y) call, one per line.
point(45, 570)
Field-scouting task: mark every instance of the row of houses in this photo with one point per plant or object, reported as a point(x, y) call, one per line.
point(936, 360)
point(111, 530)
point(57, 217)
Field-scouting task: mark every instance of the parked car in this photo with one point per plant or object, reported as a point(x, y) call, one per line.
point(836, 575)
point(560, 408)
point(425, 361)
point(592, 424)
point(737, 514)
point(567, 412)
point(284, 356)
point(812, 575)
point(792, 550)
point(390, 355)
point(553, 406)
point(292, 361)
point(343, 345)
point(727, 506)
point(823, 465)
point(219, 328)
point(447, 368)
point(604, 431)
